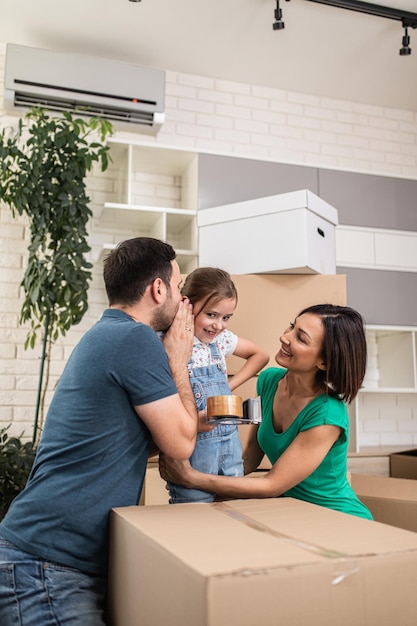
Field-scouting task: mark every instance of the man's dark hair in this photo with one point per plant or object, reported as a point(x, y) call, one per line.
point(133, 265)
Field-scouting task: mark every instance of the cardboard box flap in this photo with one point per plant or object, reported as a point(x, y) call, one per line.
point(255, 535)
point(400, 489)
point(328, 532)
point(412, 453)
point(289, 201)
point(199, 535)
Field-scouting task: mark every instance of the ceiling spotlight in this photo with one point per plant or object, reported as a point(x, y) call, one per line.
point(278, 24)
point(405, 50)
point(134, 0)
point(408, 19)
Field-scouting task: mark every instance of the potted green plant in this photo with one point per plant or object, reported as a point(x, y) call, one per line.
point(16, 459)
point(43, 169)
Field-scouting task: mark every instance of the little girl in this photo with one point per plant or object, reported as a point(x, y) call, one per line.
point(218, 450)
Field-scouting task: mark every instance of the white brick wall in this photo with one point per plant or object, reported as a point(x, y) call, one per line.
point(226, 118)
point(387, 419)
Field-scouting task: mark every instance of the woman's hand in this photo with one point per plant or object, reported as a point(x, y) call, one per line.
point(174, 471)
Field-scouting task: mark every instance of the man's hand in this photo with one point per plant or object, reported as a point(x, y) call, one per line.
point(178, 339)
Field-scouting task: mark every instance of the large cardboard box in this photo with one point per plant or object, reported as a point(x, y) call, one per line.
point(291, 233)
point(264, 562)
point(269, 302)
point(404, 464)
point(391, 500)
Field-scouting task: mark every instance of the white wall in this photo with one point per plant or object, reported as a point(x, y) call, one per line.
point(220, 117)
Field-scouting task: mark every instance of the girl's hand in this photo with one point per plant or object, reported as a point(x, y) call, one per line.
point(203, 427)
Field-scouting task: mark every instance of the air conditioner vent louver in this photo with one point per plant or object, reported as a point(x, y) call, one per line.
point(20, 85)
point(120, 92)
point(59, 106)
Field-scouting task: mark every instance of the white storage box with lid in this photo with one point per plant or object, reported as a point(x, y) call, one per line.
point(290, 233)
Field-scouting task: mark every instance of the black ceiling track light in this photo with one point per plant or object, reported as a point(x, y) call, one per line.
point(407, 19)
point(278, 24)
point(405, 49)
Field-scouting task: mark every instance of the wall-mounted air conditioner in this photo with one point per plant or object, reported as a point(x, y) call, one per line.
point(121, 92)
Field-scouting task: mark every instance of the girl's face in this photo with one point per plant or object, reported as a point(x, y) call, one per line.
point(211, 319)
point(301, 344)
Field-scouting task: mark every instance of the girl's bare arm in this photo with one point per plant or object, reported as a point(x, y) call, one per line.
point(255, 359)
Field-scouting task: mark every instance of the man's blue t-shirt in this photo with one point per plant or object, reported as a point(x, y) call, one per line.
point(94, 448)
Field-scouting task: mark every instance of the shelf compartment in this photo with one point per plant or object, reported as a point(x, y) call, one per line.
point(154, 175)
point(181, 231)
point(390, 373)
point(391, 360)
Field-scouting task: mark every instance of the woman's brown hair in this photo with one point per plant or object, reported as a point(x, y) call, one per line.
point(343, 350)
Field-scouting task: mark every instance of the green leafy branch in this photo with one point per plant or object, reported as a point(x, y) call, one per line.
point(43, 168)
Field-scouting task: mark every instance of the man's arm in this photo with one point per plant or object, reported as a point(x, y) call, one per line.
point(178, 343)
point(172, 421)
point(173, 429)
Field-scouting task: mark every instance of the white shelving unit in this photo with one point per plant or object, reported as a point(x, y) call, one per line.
point(391, 368)
point(376, 248)
point(154, 194)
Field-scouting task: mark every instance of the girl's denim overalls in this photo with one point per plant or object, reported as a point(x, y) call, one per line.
point(218, 451)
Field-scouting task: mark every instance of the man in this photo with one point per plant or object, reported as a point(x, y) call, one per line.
point(122, 392)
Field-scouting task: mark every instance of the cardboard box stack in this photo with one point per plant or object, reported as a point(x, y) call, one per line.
point(265, 562)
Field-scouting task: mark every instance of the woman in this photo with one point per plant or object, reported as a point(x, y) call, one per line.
point(305, 425)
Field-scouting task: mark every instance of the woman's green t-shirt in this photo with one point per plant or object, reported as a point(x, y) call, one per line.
point(328, 485)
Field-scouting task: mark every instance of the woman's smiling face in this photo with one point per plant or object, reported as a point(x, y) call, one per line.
point(211, 318)
point(301, 344)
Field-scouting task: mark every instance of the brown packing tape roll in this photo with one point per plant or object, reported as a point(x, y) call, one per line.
point(218, 406)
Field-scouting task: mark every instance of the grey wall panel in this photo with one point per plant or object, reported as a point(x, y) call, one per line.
point(360, 199)
point(224, 180)
point(382, 297)
point(370, 200)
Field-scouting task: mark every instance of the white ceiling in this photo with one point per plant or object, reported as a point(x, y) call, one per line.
point(323, 50)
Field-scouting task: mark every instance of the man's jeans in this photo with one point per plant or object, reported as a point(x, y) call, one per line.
point(40, 593)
